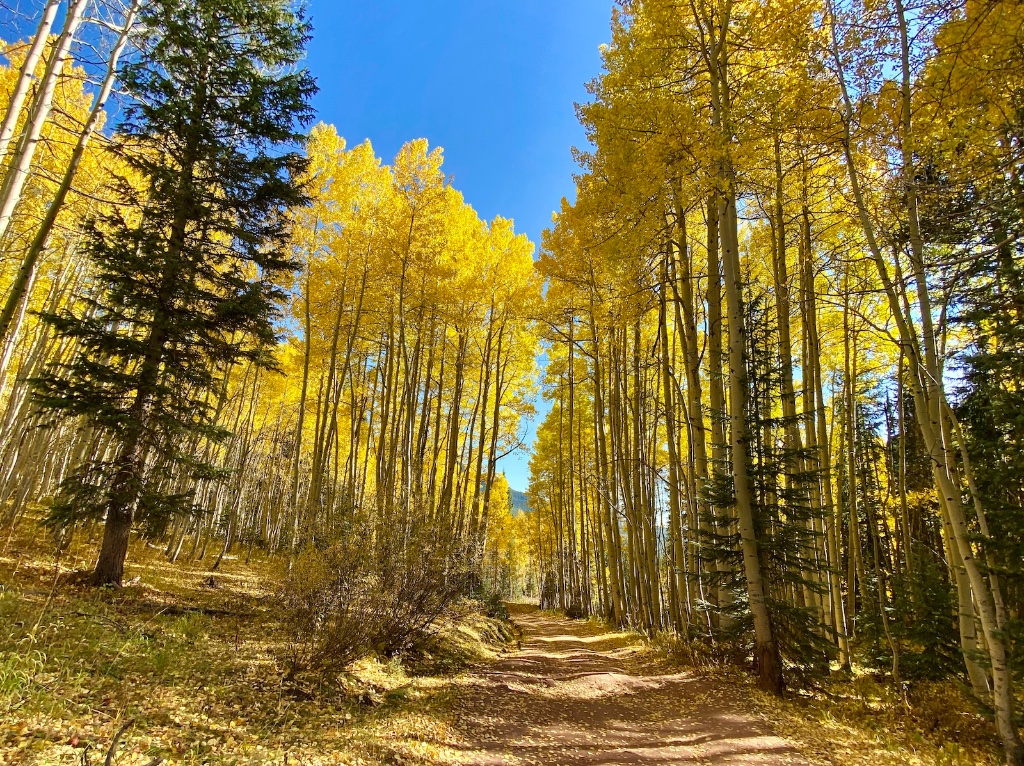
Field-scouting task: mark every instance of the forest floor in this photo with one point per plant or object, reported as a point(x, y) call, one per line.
point(193, 667)
point(578, 693)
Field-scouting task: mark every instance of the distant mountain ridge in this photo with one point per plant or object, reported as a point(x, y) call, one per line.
point(520, 503)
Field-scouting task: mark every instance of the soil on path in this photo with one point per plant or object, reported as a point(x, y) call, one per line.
point(576, 694)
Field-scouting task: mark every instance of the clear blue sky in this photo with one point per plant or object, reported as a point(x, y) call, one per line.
point(491, 81)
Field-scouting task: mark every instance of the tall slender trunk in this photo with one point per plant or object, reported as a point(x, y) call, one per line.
point(19, 287)
point(301, 422)
point(817, 430)
point(445, 504)
point(26, 75)
point(766, 650)
point(679, 610)
point(21, 160)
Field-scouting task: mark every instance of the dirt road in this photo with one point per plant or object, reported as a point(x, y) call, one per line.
point(578, 695)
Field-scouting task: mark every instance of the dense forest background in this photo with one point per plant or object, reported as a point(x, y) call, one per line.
point(781, 322)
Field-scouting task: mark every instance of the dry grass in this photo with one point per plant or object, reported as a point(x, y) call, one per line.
point(864, 723)
point(860, 722)
point(201, 671)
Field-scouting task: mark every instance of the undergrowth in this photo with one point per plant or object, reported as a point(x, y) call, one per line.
point(857, 720)
point(196, 671)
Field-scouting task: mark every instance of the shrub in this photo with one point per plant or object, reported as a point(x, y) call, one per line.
point(576, 611)
point(372, 591)
point(494, 605)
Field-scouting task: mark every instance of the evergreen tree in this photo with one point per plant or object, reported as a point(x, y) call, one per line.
point(991, 409)
point(188, 269)
point(782, 506)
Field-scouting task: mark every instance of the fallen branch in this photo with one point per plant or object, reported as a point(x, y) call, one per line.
point(117, 738)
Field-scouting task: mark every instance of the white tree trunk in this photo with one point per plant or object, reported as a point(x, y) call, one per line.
point(26, 76)
point(21, 159)
point(26, 272)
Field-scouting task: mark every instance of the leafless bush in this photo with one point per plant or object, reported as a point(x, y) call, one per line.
point(372, 591)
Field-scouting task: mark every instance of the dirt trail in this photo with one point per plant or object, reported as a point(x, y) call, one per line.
point(578, 695)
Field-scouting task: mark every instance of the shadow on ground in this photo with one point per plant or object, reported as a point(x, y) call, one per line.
point(576, 694)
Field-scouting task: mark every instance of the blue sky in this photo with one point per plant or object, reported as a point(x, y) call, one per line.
point(491, 81)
